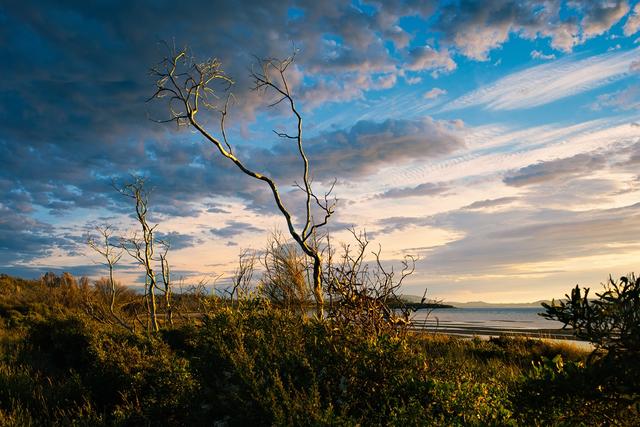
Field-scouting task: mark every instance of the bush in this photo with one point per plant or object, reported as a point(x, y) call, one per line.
point(611, 321)
point(264, 367)
point(126, 378)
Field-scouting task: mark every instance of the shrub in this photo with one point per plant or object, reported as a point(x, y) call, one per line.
point(611, 321)
point(264, 367)
point(126, 377)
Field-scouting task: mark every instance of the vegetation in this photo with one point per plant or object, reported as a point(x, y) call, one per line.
point(611, 321)
point(246, 361)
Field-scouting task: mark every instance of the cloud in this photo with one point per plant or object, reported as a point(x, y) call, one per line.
point(599, 16)
point(434, 93)
point(621, 100)
point(633, 22)
point(490, 203)
point(368, 146)
point(507, 241)
point(178, 240)
point(234, 228)
point(494, 241)
point(578, 165)
point(23, 239)
point(475, 27)
point(426, 189)
point(536, 54)
point(549, 82)
point(82, 115)
point(427, 58)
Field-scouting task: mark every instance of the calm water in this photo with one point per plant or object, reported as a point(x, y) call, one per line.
point(498, 318)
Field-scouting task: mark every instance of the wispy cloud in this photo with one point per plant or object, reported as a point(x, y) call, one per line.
point(549, 82)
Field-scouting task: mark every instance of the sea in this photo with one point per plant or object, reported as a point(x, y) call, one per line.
point(490, 321)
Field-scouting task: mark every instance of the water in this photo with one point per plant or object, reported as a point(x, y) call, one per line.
point(525, 318)
point(490, 322)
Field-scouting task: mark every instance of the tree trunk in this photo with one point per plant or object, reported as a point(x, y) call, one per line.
point(317, 286)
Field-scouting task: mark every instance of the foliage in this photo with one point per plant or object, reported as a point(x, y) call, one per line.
point(611, 321)
point(255, 364)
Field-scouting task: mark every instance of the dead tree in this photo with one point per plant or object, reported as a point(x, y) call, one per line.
point(111, 254)
point(364, 294)
point(166, 280)
point(141, 248)
point(243, 276)
point(189, 86)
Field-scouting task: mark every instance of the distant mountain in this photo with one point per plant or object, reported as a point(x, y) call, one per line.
point(482, 304)
point(476, 304)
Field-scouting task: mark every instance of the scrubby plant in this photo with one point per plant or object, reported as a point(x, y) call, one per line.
point(611, 321)
point(66, 362)
point(251, 363)
point(284, 282)
point(265, 366)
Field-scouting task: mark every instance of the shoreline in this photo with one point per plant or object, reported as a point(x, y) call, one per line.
point(555, 335)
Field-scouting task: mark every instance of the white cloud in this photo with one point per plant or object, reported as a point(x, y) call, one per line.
point(427, 58)
point(536, 54)
point(549, 82)
point(633, 22)
point(434, 93)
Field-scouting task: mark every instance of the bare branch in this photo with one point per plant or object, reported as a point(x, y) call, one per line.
point(190, 85)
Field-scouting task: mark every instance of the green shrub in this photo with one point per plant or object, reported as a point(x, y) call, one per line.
point(272, 366)
point(126, 377)
point(611, 321)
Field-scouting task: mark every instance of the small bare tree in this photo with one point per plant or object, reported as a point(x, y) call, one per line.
point(141, 248)
point(189, 86)
point(166, 279)
point(365, 294)
point(243, 275)
point(111, 254)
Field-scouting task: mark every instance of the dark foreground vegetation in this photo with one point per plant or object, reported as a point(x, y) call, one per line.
point(257, 363)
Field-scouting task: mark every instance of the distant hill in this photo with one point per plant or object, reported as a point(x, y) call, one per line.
point(482, 304)
point(475, 304)
point(415, 302)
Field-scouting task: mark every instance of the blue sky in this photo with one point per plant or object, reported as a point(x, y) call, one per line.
point(498, 141)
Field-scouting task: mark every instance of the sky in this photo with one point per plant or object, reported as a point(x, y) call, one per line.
point(498, 141)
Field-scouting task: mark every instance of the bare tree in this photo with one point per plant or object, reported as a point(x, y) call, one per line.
point(243, 275)
point(166, 279)
point(111, 254)
point(141, 248)
point(365, 294)
point(189, 86)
